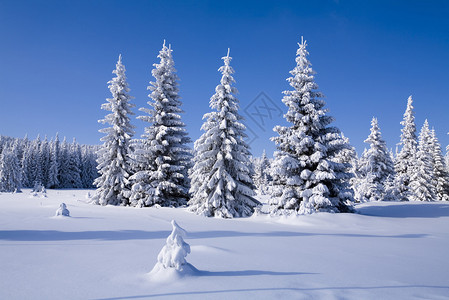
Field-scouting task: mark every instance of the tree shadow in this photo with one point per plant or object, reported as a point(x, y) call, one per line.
point(248, 273)
point(286, 289)
point(407, 210)
point(54, 235)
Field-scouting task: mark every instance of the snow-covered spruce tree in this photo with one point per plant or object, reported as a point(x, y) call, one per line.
point(25, 163)
point(446, 158)
point(64, 153)
point(10, 173)
point(88, 167)
point(53, 172)
point(405, 159)
point(375, 168)
point(348, 157)
point(307, 178)
point(422, 179)
point(113, 160)
point(221, 181)
point(73, 178)
point(35, 174)
point(262, 175)
point(162, 158)
point(439, 169)
point(44, 153)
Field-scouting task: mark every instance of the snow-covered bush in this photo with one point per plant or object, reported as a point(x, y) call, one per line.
point(62, 210)
point(171, 261)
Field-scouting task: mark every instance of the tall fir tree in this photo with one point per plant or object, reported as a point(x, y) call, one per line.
point(439, 169)
point(73, 179)
point(262, 177)
point(348, 157)
point(88, 167)
point(64, 176)
point(53, 172)
point(26, 162)
point(375, 168)
point(113, 161)
point(307, 177)
point(10, 173)
point(406, 158)
point(221, 181)
point(163, 158)
point(36, 170)
point(422, 179)
point(44, 153)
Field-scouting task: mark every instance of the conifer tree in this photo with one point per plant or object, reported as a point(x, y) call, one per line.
point(10, 175)
point(163, 157)
point(35, 163)
point(88, 167)
point(375, 168)
point(441, 175)
point(422, 187)
point(405, 160)
point(53, 172)
point(348, 157)
point(262, 175)
point(73, 179)
point(44, 153)
point(113, 160)
point(25, 163)
point(64, 164)
point(307, 178)
point(221, 181)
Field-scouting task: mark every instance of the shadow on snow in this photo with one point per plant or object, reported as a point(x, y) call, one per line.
point(279, 290)
point(54, 235)
point(407, 210)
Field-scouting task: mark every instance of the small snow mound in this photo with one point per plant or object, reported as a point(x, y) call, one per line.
point(63, 211)
point(171, 263)
point(162, 274)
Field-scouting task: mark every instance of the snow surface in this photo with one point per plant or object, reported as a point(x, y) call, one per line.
point(387, 251)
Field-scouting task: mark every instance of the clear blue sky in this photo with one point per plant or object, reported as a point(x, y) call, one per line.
point(57, 57)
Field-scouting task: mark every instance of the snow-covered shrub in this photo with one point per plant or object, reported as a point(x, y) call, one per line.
point(62, 210)
point(171, 261)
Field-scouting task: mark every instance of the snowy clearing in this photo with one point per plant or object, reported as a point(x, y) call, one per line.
point(387, 251)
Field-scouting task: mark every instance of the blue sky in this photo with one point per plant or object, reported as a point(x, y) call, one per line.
point(57, 57)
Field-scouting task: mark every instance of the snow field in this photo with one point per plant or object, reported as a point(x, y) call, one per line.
point(386, 251)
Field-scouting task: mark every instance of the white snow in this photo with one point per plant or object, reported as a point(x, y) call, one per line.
point(390, 250)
